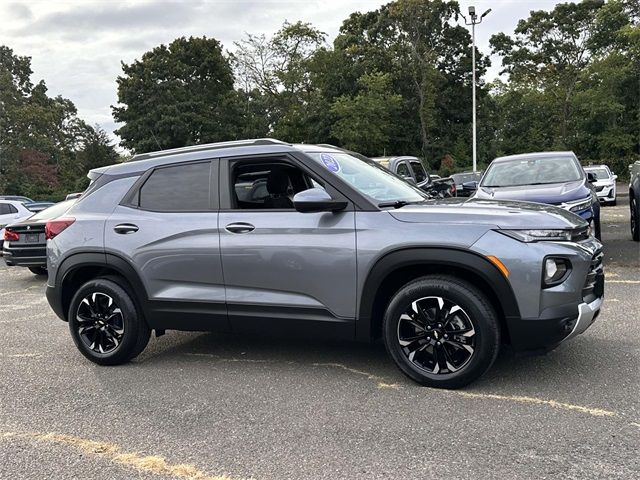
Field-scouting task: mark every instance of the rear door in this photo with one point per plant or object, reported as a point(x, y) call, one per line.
point(167, 228)
point(284, 270)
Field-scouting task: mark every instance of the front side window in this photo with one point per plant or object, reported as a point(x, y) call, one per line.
point(268, 186)
point(419, 172)
point(600, 173)
point(180, 188)
point(367, 177)
point(532, 171)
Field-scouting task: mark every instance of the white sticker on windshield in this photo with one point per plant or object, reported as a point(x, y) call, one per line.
point(330, 162)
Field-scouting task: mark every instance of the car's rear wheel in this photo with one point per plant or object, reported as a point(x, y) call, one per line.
point(38, 270)
point(441, 331)
point(635, 217)
point(105, 324)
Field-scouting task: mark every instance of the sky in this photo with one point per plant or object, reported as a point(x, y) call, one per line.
point(77, 46)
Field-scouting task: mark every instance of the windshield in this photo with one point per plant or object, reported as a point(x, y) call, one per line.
point(600, 173)
point(532, 171)
point(368, 178)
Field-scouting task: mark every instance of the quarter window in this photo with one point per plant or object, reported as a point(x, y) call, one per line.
point(182, 188)
point(7, 209)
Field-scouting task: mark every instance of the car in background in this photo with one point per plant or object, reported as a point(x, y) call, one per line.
point(461, 178)
point(554, 178)
point(11, 211)
point(411, 169)
point(634, 199)
point(17, 198)
point(604, 183)
point(38, 206)
point(25, 243)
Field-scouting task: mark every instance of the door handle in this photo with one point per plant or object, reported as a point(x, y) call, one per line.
point(125, 228)
point(239, 227)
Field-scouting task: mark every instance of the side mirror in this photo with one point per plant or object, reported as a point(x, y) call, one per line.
point(316, 200)
point(470, 186)
point(591, 177)
point(614, 176)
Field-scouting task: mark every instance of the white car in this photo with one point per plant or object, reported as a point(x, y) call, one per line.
point(11, 211)
point(605, 183)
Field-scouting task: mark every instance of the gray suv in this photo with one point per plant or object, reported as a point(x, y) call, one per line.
point(263, 236)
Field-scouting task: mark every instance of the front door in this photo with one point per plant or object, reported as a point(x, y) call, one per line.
point(284, 270)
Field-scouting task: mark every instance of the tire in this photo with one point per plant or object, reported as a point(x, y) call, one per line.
point(613, 202)
point(635, 218)
point(118, 333)
point(38, 270)
point(453, 369)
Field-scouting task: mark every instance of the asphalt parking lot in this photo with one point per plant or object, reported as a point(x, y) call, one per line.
point(203, 406)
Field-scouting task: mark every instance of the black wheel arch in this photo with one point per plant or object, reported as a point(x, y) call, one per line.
point(396, 268)
point(81, 267)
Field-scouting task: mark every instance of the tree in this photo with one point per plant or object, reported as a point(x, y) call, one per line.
point(364, 120)
point(43, 144)
point(279, 68)
point(548, 52)
point(175, 96)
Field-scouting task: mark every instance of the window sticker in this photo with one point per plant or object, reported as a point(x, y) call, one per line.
point(330, 162)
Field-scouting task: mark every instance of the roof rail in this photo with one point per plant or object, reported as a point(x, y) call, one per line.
point(209, 146)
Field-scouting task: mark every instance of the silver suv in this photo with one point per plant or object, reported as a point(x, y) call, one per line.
point(261, 236)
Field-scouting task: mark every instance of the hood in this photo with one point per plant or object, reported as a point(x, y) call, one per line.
point(516, 215)
point(553, 193)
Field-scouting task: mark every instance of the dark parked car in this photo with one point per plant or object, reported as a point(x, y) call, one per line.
point(634, 200)
point(25, 243)
point(461, 178)
point(412, 170)
point(555, 178)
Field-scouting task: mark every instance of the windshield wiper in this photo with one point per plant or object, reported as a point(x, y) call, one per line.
point(397, 203)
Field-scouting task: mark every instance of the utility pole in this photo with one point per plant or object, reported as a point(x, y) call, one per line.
point(474, 21)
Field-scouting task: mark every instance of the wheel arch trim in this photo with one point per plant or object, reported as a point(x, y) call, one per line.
point(442, 257)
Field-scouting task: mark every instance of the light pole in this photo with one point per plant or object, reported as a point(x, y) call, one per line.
point(474, 21)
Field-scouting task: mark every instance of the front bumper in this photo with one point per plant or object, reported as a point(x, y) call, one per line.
point(587, 314)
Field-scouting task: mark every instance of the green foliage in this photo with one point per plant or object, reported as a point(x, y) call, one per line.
point(45, 149)
point(176, 95)
point(364, 120)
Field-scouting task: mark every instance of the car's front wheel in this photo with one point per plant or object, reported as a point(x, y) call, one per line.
point(105, 323)
point(441, 331)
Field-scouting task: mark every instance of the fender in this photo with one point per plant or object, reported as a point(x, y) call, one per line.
point(431, 256)
point(95, 259)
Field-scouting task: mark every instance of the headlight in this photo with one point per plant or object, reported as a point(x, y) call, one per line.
point(555, 271)
point(578, 205)
point(547, 235)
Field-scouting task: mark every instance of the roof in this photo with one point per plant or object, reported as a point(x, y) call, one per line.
point(523, 156)
point(144, 161)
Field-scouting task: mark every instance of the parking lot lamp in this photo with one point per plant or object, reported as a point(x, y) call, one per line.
point(475, 20)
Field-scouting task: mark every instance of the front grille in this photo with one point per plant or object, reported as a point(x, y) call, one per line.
point(594, 283)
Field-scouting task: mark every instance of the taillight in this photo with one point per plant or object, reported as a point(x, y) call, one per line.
point(57, 226)
point(10, 236)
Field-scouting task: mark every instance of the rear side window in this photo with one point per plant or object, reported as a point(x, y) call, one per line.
point(7, 208)
point(182, 188)
point(403, 170)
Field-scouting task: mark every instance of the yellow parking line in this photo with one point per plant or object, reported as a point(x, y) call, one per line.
point(596, 412)
point(148, 464)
